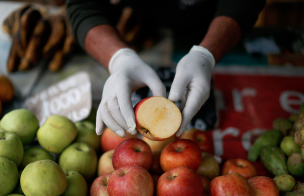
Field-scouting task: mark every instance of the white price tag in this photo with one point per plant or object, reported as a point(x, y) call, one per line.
point(71, 98)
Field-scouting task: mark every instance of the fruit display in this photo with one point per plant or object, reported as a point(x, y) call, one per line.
point(68, 158)
point(37, 33)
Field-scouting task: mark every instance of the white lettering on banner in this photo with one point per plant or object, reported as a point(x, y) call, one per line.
point(53, 91)
point(43, 96)
point(219, 100)
point(286, 102)
point(85, 88)
point(218, 138)
point(76, 116)
point(238, 97)
point(246, 138)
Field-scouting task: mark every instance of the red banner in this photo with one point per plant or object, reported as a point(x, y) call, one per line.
point(247, 106)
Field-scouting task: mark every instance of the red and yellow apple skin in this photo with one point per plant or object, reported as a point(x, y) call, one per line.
point(201, 138)
point(180, 181)
point(110, 140)
point(157, 121)
point(131, 180)
point(132, 151)
point(263, 186)
point(241, 166)
point(232, 184)
point(105, 165)
point(100, 186)
point(181, 153)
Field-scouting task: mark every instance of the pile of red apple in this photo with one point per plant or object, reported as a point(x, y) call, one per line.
point(175, 166)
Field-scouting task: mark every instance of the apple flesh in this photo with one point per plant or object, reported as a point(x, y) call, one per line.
point(43, 177)
point(79, 157)
point(241, 166)
point(56, 133)
point(105, 165)
point(100, 186)
point(181, 181)
point(131, 180)
point(11, 147)
point(232, 184)
point(8, 176)
point(201, 138)
point(158, 145)
point(76, 184)
point(181, 153)
point(22, 122)
point(132, 152)
point(33, 154)
point(157, 118)
point(263, 186)
point(110, 140)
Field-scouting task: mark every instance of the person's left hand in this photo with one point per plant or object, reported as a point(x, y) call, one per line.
point(192, 83)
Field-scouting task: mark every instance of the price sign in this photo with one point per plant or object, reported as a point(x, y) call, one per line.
point(71, 98)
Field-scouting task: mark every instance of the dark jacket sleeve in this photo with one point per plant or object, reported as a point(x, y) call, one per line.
point(86, 14)
point(244, 12)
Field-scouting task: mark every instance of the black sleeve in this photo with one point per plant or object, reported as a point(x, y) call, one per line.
point(244, 12)
point(86, 14)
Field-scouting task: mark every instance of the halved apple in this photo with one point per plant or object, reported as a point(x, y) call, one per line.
point(157, 118)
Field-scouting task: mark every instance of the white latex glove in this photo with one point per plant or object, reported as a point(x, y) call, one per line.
point(192, 83)
point(128, 73)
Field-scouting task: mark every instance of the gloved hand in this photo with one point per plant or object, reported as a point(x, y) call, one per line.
point(128, 73)
point(192, 83)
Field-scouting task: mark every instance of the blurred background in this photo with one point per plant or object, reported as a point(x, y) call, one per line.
point(259, 80)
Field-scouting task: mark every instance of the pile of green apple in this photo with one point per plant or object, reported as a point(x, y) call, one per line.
point(58, 158)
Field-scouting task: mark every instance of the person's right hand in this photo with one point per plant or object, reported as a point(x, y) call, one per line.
point(128, 73)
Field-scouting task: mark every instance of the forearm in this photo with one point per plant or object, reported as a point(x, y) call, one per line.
point(101, 42)
point(223, 34)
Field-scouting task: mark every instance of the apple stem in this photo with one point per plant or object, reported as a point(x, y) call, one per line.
point(173, 177)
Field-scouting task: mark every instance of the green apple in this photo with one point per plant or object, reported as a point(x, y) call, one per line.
point(87, 134)
point(92, 116)
point(15, 194)
point(76, 184)
point(79, 157)
point(8, 176)
point(56, 133)
point(11, 147)
point(43, 177)
point(34, 154)
point(22, 122)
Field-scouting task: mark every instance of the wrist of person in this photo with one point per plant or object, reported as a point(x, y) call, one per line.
point(205, 53)
point(121, 53)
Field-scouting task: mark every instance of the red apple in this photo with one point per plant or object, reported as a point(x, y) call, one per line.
point(155, 166)
point(110, 140)
point(241, 166)
point(209, 167)
point(263, 186)
point(180, 181)
point(201, 138)
point(131, 180)
point(157, 118)
point(181, 153)
point(132, 151)
point(232, 184)
point(206, 184)
point(105, 165)
point(99, 186)
point(158, 145)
